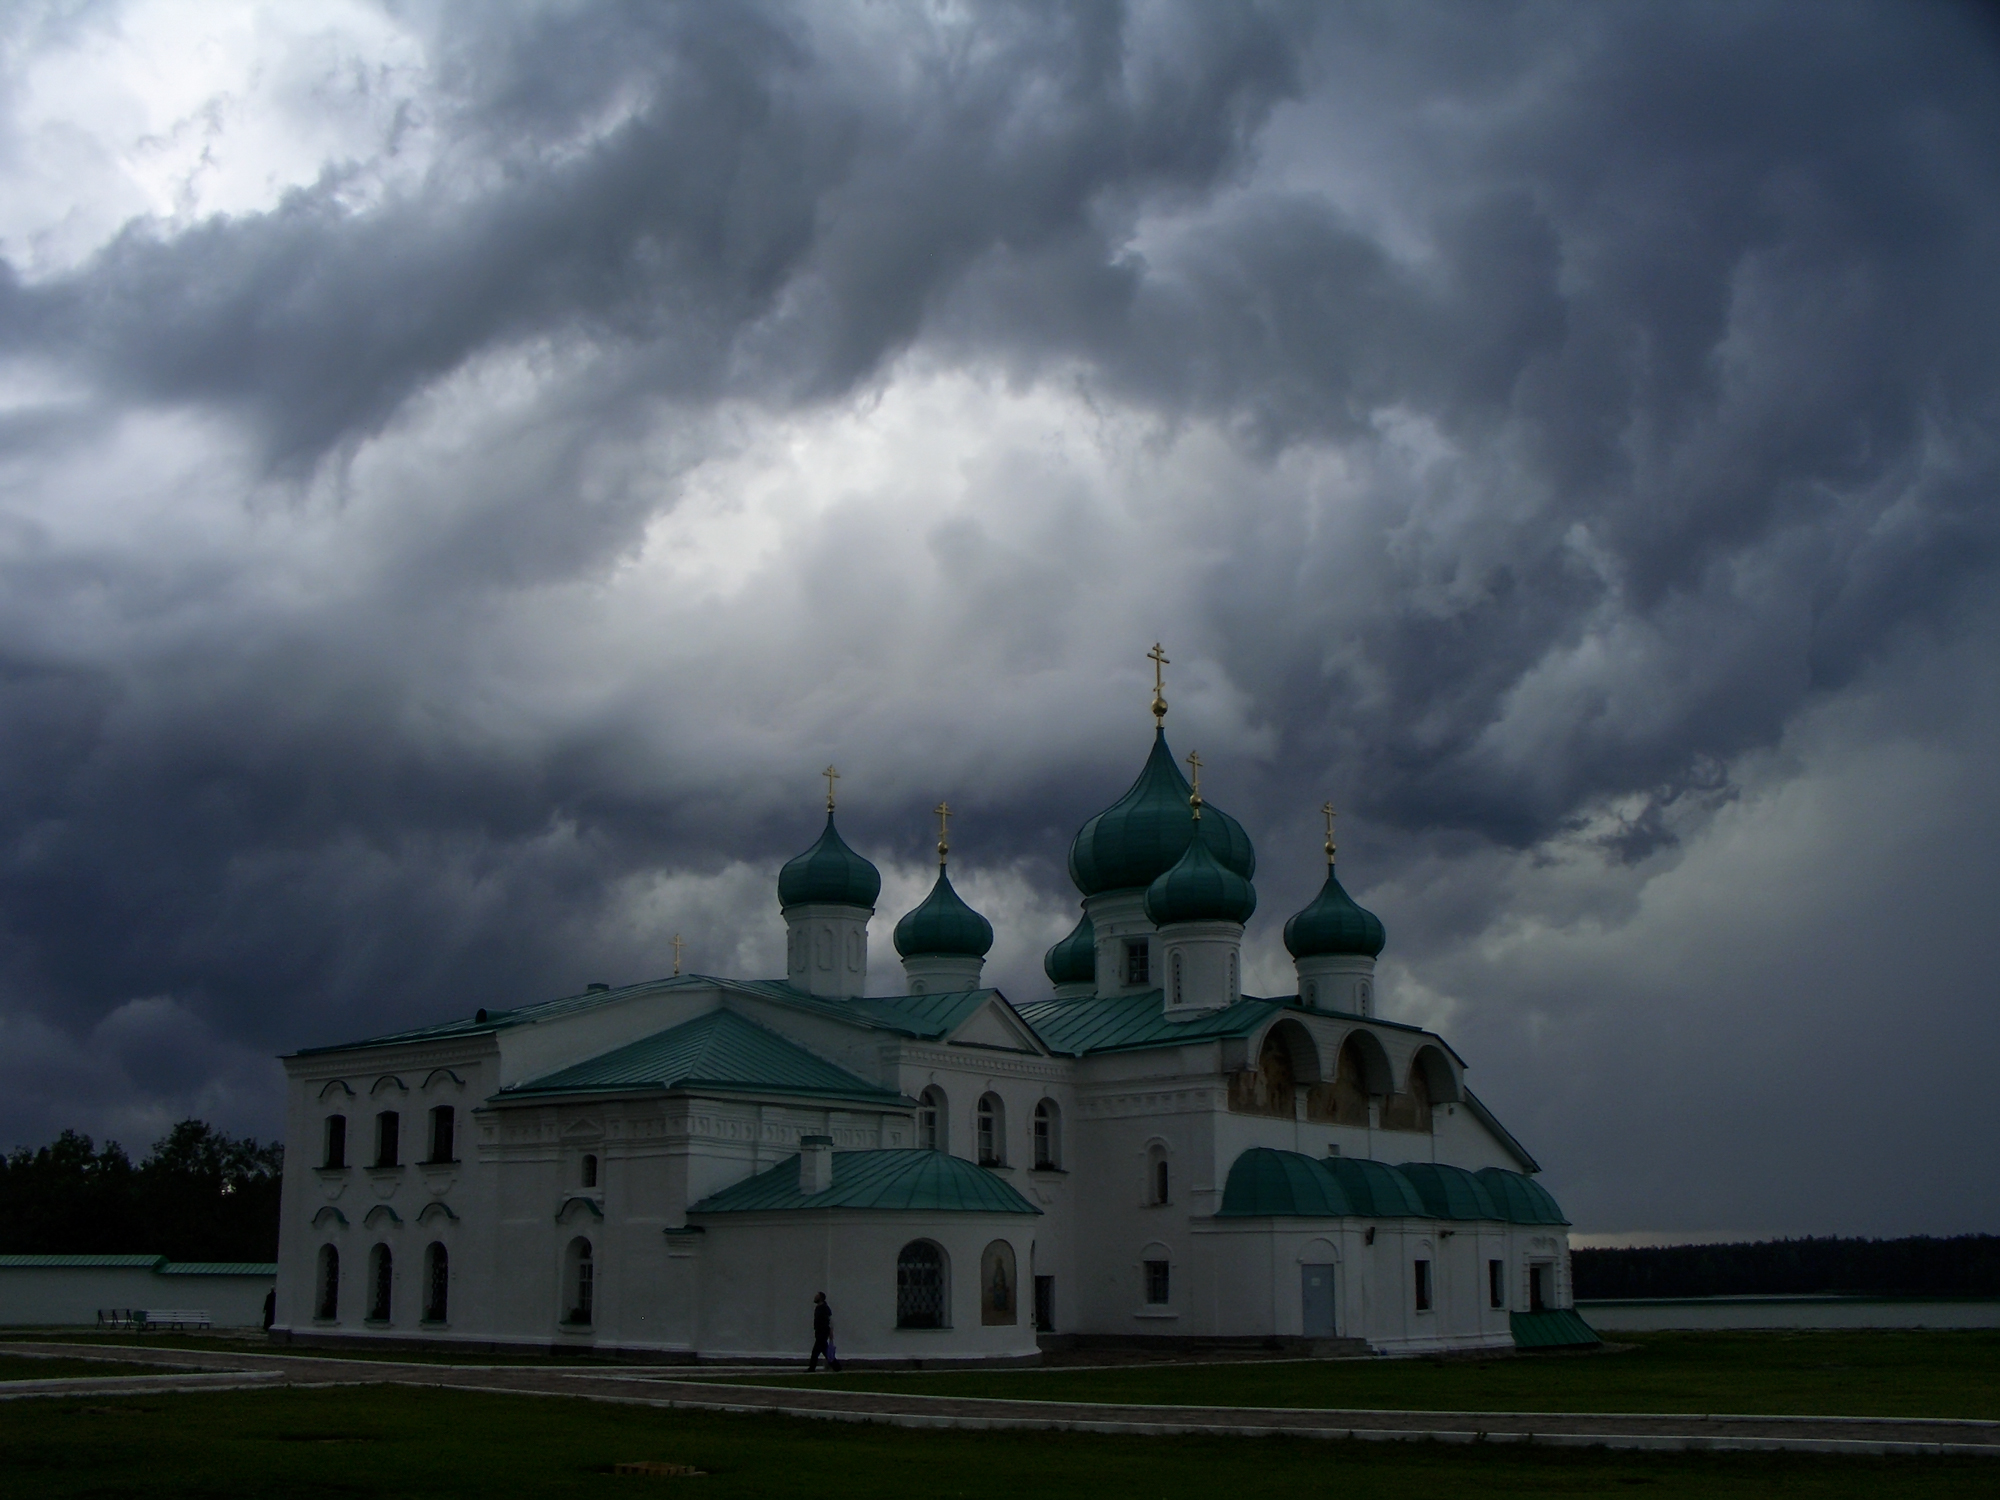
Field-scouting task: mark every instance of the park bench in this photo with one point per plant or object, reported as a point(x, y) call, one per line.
point(119, 1317)
point(173, 1318)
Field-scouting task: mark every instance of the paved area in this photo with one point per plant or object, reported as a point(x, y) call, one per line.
point(191, 1369)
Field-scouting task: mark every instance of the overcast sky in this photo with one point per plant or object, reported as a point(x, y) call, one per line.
point(465, 469)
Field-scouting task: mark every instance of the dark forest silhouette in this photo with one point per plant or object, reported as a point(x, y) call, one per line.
point(200, 1196)
point(1966, 1265)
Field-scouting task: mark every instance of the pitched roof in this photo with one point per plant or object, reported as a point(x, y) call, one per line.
point(926, 1017)
point(1266, 1183)
point(100, 1262)
point(1107, 1023)
point(890, 1180)
point(720, 1050)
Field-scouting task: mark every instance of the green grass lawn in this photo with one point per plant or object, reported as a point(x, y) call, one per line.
point(382, 1440)
point(16, 1367)
point(1889, 1373)
point(256, 1343)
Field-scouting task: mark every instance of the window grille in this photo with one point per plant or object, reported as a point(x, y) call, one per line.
point(1158, 1284)
point(1138, 964)
point(920, 1286)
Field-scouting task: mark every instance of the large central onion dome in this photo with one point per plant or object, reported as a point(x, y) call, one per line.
point(1334, 925)
point(943, 925)
point(1199, 888)
point(1074, 959)
point(829, 874)
point(1140, 836)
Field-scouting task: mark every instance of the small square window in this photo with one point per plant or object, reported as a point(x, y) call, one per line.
point(1158, 1285)
point(1138, 961)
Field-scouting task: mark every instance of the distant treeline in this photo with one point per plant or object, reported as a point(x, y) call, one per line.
point(200, 1195)
point(1965, 1265)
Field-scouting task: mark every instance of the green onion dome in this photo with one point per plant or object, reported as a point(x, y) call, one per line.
point(1334, 924)
point(943, 924)
point(1199, 888)
point(829, 874)
point(1137, 839)
point(1074, 959)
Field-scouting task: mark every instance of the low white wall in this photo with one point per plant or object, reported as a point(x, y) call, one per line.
point(1660, 1314)
point(46, 1296)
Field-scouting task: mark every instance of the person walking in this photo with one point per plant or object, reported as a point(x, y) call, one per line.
point(822, 1334)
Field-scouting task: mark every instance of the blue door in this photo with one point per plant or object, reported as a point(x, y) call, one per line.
point(1316, 1296)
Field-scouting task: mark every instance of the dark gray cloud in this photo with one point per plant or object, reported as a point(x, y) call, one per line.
point(1564, 437)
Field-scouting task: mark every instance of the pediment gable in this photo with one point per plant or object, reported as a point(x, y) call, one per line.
point(995, 1025)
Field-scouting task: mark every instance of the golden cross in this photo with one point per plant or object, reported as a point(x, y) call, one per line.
point(677, 952)
point(831, 776)
point(1159, 659)
point(1194, 792)
point(1327, 808)
point(943, 811)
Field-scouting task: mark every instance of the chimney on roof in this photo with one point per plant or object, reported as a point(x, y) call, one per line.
point(594, 986)
point(815, 1163)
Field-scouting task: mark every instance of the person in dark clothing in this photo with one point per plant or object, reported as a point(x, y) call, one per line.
point(822, 1334)
point(270, 1308)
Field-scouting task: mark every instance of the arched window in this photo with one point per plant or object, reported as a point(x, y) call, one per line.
point(387, 1150)
point(336, 1141)
point(579, 1284)
point(920, 1286)
point(1048, 1135)
point(998, 1291)
point(1157, 1182)
point(931, 1120)
point(328, 1306)
point(590, 1171)
point(381, 1283)
point(444, 1123)
point(437, 1283)
point(992, 1131)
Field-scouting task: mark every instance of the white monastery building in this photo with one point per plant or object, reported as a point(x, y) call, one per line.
point(1144, 1153)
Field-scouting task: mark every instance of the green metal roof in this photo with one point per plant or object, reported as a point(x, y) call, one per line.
point(1074, 959)
point(1556, 1328)
point(915, 1181)
point(66, 1262)
point(829, 874)
point(219, 1268)
point(1333, 923)
point(1521, 1200)
point(1266, 1183)
point(1139, 837)
point(1109, 1023)
point(1450, 1192)
point(942, 923)
point(1199, 888)
point(720, 1050)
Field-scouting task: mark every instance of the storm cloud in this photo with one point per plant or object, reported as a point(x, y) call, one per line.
point(462, 474)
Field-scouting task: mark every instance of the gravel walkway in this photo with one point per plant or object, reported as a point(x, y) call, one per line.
point(206, 1370)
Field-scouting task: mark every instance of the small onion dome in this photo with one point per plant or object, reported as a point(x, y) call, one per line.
point(1199, 888)
point(1074, 959)
point(1137, 839)
point(943, 924)
point(829, 874)
point(1335, 923)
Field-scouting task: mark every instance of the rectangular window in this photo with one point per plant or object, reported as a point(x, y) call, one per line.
point(1496, 1282)
point(1045, 1304)
point(1423, 1286)
point(1157, 1284)
point(385, 1139)
point(442, 1144)
point(336, 1140)
point(1538, 1288)
point(1138, 966)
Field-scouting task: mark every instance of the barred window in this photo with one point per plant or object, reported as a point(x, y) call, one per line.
point(1158, 1284)
point(920, 1286)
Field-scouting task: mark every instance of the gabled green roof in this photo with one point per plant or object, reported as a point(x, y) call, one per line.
point(486, 1022)
point(913, 1181)
point(1108, 1023)
point(1266, 1183)
point(925, 1017)
point(720, 1050)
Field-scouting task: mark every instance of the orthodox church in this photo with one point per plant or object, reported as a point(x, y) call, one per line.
point(1143, 1153)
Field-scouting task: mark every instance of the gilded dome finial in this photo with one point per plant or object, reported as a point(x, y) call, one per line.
point(831, 776)
point(1327, 808)
point(1194, 783)
point(1159, 660)
point(943, 811)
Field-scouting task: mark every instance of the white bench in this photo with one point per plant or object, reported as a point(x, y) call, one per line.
point(173, 1318)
